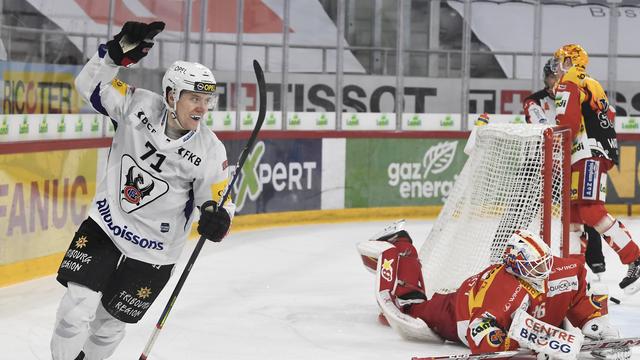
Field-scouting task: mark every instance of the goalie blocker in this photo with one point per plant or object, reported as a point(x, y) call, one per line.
point(481, 312)
point(544, 338)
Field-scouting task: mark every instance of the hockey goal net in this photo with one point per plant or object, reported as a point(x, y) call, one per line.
point(515, 178)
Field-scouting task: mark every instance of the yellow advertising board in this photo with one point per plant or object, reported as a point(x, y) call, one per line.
point(39, 92)
point(44, 196)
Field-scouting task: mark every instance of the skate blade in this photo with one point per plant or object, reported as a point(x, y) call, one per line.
point(632, 288)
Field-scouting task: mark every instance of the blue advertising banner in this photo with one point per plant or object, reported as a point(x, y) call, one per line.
point(279, 175)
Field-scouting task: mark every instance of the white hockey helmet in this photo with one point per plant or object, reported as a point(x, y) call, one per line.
point(528, 257)
point(190, 76)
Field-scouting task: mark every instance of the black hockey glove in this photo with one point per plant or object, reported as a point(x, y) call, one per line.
point(133, 42)
point(214, 222)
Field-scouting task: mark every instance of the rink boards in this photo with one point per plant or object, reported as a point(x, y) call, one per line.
point(289, 178)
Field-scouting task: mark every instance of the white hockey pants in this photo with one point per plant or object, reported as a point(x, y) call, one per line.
point(82, 324)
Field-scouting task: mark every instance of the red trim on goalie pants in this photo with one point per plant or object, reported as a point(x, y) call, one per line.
point(438, 313)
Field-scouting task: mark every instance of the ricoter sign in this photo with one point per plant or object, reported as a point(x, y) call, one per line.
point(34, 92)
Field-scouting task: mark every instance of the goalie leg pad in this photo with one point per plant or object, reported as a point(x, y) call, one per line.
point(439, 313)
point(400, 272)
point(370, 252)
point(371, 249)
point(407, 326)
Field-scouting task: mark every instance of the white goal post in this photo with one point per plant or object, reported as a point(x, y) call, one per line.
point(518, 176)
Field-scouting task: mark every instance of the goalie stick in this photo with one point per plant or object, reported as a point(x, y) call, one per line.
point(526, 353)
point(236, 172)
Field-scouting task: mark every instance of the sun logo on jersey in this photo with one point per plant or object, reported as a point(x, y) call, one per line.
point(387, 270)
point(144, 293)
point(81, 242)
point(132, 191)
point(496, 337)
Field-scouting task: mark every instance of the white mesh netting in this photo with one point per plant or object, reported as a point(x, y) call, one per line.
point(499, 190)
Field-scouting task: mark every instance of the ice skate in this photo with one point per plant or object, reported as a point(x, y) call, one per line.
point(630, 282)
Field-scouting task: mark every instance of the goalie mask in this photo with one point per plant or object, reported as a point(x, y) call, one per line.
point(189, 76)
point(528, 257)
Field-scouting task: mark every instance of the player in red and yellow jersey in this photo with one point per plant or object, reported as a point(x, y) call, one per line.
point(481, 312)
point(582, 104)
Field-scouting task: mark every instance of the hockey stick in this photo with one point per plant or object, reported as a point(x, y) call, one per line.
point(586, 347)
point(236, 172)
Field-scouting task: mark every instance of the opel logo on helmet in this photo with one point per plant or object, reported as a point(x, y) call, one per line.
point(204, 87)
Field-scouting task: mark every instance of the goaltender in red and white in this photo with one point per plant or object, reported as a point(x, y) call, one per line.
point(503, 307)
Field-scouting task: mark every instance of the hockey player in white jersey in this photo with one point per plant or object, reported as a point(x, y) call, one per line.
point(163, 163)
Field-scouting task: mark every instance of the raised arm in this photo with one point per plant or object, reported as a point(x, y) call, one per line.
point(97, 82)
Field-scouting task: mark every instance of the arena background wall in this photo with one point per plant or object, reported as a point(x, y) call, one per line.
point(291, 177)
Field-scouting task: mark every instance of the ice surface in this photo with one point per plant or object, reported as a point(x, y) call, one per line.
point(285, 293)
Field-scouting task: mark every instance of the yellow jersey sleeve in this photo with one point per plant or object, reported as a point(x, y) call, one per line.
point(218, 189)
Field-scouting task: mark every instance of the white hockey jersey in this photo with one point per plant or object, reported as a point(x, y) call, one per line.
point(147, 198)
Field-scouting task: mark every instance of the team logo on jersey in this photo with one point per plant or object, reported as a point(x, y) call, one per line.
point(133, 192)
point(138, 187)
point(486, 328)
point(496, 337)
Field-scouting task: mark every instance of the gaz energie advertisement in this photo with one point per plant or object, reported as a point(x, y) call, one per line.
point(401, 172)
